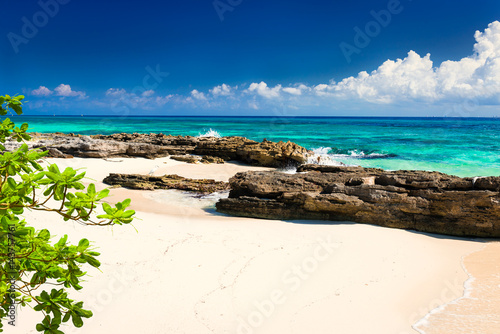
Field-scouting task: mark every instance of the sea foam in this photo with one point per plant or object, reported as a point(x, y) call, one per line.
point(322, 156)
point(210, 133)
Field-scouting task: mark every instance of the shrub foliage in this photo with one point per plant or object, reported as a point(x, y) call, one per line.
point(35, 270)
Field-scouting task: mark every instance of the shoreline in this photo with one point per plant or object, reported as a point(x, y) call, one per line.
point(479, 303)
point(200, 272)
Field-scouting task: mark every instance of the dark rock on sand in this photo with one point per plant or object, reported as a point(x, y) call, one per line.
point(192, 159)
point(423, 201)
point(146, 182)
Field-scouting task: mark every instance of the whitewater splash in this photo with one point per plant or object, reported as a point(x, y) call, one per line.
point(209, 133)
point(322, 156)
point(362, 155)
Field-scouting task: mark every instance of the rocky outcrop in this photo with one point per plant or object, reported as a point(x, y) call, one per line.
point(423, 201)
point(265, 153)
point(146, 182)
point(192, 159)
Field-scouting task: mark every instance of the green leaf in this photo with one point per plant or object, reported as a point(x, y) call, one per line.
point(92, 261)
point(12, 183)
point(83, 245)
point(102, 194)
point(126, 203)
point(17, 108)
point(77, 320)
point(62, 241)
point(107, 208)
point(128, 214)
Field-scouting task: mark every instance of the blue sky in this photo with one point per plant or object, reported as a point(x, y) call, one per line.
point(242, 57)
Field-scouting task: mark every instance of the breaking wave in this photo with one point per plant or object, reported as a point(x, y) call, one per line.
point(330, 156)
point(209, 133)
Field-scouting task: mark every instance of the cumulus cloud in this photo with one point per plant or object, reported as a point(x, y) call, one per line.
point(148, 93)
point(66, 91)
point(222, 90)
point(414, 78)
point(116, 92)
point(263, 90)
point(198, 95)
point(296, 90)
point(410, 78)
point(62, 91)
point(41, 91)
point(146, 100)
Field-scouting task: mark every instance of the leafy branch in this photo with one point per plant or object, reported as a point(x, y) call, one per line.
point(29, 260)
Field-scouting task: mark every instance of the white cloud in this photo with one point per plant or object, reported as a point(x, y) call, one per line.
point(222, 90)
point(296, 90)
point(410, 78)
point(198, 95)
point(66, 91)
point(146, 100)
point(162, 100)
point(41, 91)
point(148, 93)
point(292, 90)
point(415, 79)
point(262, 89)
point(116, 92)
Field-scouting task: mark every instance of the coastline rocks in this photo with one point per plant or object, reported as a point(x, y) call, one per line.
point(424, 201)
point(146, 182)
point(214, 150)
point(265, 153)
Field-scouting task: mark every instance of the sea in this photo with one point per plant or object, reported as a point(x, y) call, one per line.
point(457, 146)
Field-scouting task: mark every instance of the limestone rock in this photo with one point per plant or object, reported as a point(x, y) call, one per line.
point(146, 182)
point(215, 150)
point(423, 201)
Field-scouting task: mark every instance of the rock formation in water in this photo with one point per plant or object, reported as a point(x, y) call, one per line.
point(423, 201)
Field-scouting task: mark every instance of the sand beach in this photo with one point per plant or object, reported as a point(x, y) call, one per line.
point(184, 268)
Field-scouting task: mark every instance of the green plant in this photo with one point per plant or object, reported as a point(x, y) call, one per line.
point(29, 260)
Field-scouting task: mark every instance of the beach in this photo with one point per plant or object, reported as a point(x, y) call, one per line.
point(272, 167)
point(184, 268)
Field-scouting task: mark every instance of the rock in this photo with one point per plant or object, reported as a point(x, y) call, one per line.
point(424, 201)
point(146, 182)
point(208, 159)
point(215, 150)
point(191, 159)
point(55, 153)
point(265, 153)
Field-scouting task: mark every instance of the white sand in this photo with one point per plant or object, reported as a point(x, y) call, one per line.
point(189, 270)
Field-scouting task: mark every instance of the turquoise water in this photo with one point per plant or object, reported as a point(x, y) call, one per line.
point(459, 146)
